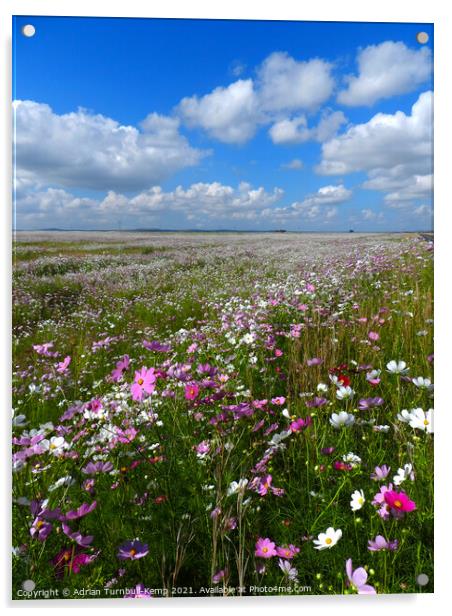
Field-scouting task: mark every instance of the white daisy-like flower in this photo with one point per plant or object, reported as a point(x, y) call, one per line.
point(322, 387)
point(404, 416)
point(422, 382)
point(397, 367)
point(56, 445)
point(421, 420)
point(327, 539)
point(338, 420)
point(237, 486)
point(403, 473)
point(358, 500)
point(64, 481)
point(344, 393)
point(352, 459)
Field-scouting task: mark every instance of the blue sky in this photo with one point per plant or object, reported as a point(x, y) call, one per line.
point(143, 123)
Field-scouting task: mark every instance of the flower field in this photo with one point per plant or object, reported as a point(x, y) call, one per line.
point(208, 414)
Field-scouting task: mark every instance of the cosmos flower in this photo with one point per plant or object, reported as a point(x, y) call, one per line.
point(237, 486)
point(62, 366)
point(403, 474)
point(288, 569)
point(357, 579)
point(358, 500)
point(287, 552)
point(265, 548)
point(144, 382)
point(422, 383)
point(342, 419)
point(40, 529)
point(77, 536)
point(327, 539)
point(374, 336)
point(397, 367)
point(399, 502)
point(380, 543)
point(191, 391)
point(380, 472)
point(344, 393)
point(421, 420)
point(373, 377)
point(367, 403)
point(132, 550)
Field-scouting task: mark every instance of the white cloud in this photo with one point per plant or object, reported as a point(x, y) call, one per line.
point(313, 206)
point(229, 114)
point(287, 84)
point(84, 150)
point(295, 130)
point(395, 150)
point(423, 210)
point(232, 114)
point(202, 202)
point(386, 70)
point(294, 164)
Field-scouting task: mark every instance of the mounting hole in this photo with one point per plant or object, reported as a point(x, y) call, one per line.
point(28, 30)
point(422, 37)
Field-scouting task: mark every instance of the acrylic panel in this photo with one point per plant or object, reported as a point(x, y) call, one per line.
point(222, 308)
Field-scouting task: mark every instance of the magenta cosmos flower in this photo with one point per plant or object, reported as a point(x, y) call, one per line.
point(265, 548)
point(399, 502)
point(144, 382)
point(191, 391)
point(132, 550)
point(357, 579)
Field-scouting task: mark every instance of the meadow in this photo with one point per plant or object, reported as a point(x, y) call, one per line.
point(205, 414)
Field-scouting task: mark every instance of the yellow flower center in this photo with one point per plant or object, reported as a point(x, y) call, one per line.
point(265, 550)
point(397, 504)
point(39, 524)
point(426, 422)
point(328, 541)
point(360, 501)
point(132, 552)
point(140, 381)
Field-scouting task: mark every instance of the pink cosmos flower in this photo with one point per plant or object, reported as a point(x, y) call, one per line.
point(374, 336)
point(265, 485)
point(265, 548)
point(202, 448)
point(121, 366)
point(357, 579)
point(380, 472)
point(380, 543)
point(62, 366)
point(399, 502)
point(191, 391)
point(287, 552)
point(144, 382)
point(279, 401)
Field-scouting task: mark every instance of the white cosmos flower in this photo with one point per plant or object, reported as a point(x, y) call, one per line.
point(344, 393)
point(337, 420)
point(56, 445)
point(422, 383)
point(404, 416)
point(352, 459)
point(64, 481)
point(248, 339)
point(403, 473)
point(19, 421)
point(237, 486)
point(322, 387)
point(358, 500)
point(328, 539)
point(422, 421)
point(397, 367)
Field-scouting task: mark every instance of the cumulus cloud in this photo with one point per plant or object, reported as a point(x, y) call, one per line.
point(369, 214)
point(312, 207)
point(205, 203)
point(395, 150)
point(386, 70)
point(287, 84)
point(232, 114)
point(295, 130)
point(91, 151)
point(229, 114)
